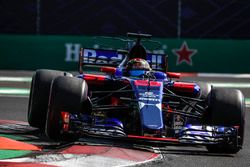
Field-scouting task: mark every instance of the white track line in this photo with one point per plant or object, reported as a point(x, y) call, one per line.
point(230, 85)
point(220, 75)
point(14, 91)
point(14, 96)
point(15, 79)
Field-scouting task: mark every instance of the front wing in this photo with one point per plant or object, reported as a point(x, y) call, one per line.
point(188, 135)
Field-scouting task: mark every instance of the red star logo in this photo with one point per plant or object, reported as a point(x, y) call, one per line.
point(184, 54)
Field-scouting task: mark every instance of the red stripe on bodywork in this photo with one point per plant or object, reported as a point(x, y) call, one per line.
point(111, 70)
point(65, 116)
point(93, 77)
point(145, 83)
point(153, 138)
point(65, 120)
point(173, 74)
point(184, 87)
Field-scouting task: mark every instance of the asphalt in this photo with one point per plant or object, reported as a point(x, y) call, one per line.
point(15, 108)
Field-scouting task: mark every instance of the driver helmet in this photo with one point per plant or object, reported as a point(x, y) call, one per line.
point(137, 67)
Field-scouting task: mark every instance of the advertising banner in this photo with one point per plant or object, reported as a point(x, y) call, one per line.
point(19, 52)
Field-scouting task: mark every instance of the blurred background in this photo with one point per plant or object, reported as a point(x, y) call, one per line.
point(198, 36)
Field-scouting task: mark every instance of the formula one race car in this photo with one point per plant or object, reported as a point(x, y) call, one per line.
point(134, 97)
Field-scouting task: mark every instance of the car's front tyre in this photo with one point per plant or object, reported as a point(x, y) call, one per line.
point(67, 95)
point(39, 96)
point(227, 108)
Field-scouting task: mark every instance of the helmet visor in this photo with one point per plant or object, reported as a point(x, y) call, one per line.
point(136, 73)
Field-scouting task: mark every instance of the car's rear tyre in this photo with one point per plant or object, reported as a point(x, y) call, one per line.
point(227, 108)
point(67, 95)
point(39, 96)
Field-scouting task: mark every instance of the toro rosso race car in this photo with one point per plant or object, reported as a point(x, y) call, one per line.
point(134, 97)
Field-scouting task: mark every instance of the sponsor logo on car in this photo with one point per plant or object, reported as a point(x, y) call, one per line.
point(149, 99)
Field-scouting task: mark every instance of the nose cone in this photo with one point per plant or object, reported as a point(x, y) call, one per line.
point(151, 116)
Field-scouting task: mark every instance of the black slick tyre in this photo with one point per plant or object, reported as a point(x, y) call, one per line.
point(67, 95)
point(227, 108)
point(39, 96)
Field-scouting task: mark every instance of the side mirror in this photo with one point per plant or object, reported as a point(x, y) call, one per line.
point(173, 75)
point(110, 70)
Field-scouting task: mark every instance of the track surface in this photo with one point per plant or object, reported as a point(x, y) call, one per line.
point(15, 108)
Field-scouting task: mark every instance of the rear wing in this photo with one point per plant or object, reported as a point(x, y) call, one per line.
point(115, 58)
